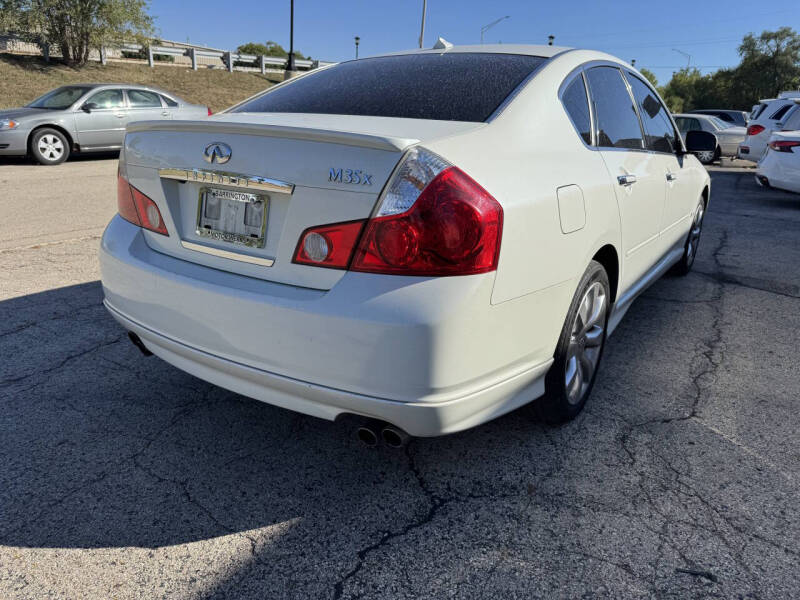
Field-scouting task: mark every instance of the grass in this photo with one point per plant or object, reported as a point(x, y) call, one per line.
point(23, 78)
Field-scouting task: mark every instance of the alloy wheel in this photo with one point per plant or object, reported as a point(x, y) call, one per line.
point(585, 343)
point(706, 156)
point(50, 147)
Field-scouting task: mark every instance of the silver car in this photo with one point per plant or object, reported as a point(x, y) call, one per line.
point(728, 136)
point(86, 118)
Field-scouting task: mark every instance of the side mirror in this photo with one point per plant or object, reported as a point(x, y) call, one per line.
point(89, 107)
point(700, 141)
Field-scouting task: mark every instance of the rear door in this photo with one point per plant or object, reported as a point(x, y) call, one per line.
point(145, 106)
point(103, 125)
point(637, 175)
point(662, 142)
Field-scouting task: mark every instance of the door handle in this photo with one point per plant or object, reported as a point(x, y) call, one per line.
point(671, 176)
point(164, 113)
point(119, 115)
point(626, 179)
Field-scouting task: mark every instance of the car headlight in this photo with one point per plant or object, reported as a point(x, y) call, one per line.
point(8, 124)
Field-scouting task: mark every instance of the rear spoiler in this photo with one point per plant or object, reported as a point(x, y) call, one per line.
point(346, 138)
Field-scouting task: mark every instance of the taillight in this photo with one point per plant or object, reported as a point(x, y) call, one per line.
point(328, 245)
point(755, 129)
point(434, 220)
point(209, 112)
point(784, 145)
point(135, 207)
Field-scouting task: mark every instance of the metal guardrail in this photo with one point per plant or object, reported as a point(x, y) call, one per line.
point(228, 58)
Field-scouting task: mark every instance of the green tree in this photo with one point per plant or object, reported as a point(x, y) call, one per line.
point(270, 48)
point(770, 62)
point(76, 26)
point(650, 76)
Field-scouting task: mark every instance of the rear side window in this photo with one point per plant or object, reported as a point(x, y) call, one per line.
point(576, 104)
point(781, 111)
point(617, 123)
point(457, 86)
point(725, 117)
point(659, 132)
point(143, 99)
point(792, 120)
point(169, 101)
point(108, 99)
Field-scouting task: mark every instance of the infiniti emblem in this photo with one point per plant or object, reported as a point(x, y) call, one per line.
point(217, 152)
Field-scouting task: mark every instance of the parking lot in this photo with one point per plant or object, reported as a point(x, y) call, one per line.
point(123, 477)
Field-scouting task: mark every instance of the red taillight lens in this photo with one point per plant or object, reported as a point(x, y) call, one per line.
point(453, 228)
point(755, 129)
point(328, 246)
point(137, 208)
point(209, 112)
point(784, 146)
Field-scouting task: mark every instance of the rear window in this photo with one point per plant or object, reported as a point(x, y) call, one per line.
point(458, 86)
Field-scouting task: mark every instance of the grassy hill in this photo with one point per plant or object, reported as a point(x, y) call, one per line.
point(23, 78)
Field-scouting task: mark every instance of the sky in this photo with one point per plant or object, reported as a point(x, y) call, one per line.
point(661, 36)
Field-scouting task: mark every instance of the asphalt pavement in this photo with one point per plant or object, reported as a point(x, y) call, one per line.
point(122, 477)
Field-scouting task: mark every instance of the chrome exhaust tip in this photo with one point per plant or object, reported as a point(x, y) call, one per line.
point(367, 436)
point(394, 437)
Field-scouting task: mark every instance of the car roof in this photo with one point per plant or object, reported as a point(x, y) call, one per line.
point(722, 110)
point(140, 86)
point(530, 49)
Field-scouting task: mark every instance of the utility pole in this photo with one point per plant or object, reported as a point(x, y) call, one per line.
point(422, 29)
point(358, 39)
point(290, 65)
point(633, 62)
point(550, 40)
point(686, 54)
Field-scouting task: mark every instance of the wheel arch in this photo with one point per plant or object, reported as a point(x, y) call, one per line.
point(608, 257)
point(58, 128)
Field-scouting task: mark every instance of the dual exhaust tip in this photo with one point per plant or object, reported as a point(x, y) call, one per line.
point(371, 432)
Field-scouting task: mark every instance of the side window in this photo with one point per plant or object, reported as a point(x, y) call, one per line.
point(658, 129)
point(108, 99)
point(726, 117)
point(143, 99)
point(577, 106)
point(792, 122)
point(169, 101)
point(617, 123)
point(682, 123)
point(781, 111)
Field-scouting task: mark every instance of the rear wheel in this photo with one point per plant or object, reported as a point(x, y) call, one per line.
point(707, 157)
point(571, 377)
point(684, 265)
point(49, 146)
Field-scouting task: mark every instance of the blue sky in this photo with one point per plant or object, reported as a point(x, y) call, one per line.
point(708, 31)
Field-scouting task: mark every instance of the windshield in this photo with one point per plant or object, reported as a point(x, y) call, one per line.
point(457, 86)
point(60, 98)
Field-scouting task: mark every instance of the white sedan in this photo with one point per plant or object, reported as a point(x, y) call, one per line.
point(780, 165)
point(425, 240)
point(728, 136)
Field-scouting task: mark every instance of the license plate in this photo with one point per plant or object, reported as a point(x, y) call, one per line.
point(233, 217)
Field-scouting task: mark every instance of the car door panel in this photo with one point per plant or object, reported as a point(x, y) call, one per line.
point(104, 126)
point(146, 106)
point(636, 175)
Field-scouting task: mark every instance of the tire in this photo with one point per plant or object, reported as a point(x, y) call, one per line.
point(684, 265)
point(570, 379)
point(49, 146)
point(708, 158)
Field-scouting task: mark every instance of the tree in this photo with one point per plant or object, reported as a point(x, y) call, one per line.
point(650, 76)
point(771, 61)
point(269, 49)
point(76, 26)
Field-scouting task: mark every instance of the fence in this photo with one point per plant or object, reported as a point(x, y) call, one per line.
point(180, 54)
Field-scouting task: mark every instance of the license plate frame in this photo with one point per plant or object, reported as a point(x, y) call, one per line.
point(232, 210)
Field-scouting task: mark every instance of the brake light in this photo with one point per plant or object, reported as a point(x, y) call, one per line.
point(135, 207)
point(454, 227)
point(209, 112)
point(784, 145)
point(755, 129)
point(328, 245)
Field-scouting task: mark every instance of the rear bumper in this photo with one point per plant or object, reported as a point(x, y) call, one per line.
point(432, 356)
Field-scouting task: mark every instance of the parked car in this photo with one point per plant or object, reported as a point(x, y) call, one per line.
point(770, 116)
point(86, 118)
point(728, 136)
point(363, 240)
point(780, 165)
point(734, 117)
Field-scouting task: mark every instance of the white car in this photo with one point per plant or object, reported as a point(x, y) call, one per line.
point(770, 116)
point(780, 166)
point(728, 136)
point(424, 240)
